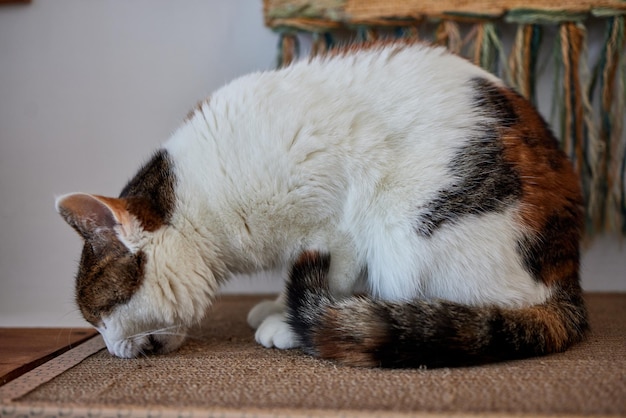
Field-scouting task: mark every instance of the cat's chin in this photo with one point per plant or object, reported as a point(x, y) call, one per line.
point(144, 345)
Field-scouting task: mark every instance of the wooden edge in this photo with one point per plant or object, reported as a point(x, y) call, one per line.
point(48, 370)
point(75, 338)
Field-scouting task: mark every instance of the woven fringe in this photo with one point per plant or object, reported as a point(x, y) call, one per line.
point(578, 131)
point(321, 43)
point(523, 60)
point(410, 32)
point(488, 49)
point(611, 71)
point(288, 50)
point(366, 34)
point(449, 35)
point(571, 38)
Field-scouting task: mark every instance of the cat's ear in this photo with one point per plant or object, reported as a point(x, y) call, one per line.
point(93, 216)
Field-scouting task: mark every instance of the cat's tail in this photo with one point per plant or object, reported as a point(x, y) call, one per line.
point(360, 331)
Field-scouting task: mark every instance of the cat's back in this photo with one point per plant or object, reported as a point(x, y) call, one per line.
point(394, 81)
point(390, 99)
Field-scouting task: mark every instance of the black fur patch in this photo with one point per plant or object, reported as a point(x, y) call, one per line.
point(485, 182)
point(307, 290)
point(154, 185)
point(490, 100)
point(556, 247)
point(155, 345)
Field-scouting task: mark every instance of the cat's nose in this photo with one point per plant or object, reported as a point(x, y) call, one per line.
point(125, 348)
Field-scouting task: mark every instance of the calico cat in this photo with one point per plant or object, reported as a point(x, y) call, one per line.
point(398, 168)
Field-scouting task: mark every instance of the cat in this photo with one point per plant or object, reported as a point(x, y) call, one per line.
point(397, 168)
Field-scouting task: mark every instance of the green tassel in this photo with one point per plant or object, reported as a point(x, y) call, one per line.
point(322, 42)
point(578, 140)
point(490, 55)
point(366, 34)
point(556, 108)
point(619, 190)
point(610, 73)
point(523, 60)
point(535, 44)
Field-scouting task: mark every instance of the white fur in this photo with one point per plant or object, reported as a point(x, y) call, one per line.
point(264, 309)
point(337, 155)
point(275, 332)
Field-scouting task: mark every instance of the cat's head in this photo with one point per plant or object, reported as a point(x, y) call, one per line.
point(141, 286)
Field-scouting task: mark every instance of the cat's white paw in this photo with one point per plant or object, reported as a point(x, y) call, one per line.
point(274, 332)
point(262, 310)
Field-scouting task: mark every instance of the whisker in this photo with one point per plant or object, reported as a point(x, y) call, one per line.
point(155, 331)
point(143, 354)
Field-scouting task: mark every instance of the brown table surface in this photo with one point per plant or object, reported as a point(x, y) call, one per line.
point(23, 349)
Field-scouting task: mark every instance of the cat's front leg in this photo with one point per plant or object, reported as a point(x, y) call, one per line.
point(274, 331)
point(268, 318)
point(264, 309)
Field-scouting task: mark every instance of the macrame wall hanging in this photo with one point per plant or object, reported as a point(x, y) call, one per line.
point(588, 98)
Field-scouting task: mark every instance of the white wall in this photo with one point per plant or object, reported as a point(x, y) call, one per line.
point(87, 91)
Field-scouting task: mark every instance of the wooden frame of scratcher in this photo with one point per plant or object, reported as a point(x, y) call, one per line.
point(589, 98)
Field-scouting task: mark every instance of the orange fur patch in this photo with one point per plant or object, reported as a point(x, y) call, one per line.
point(556, 185)
point(123, 208)
point(549, 183)
point(350, 338)
point(308, 257)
